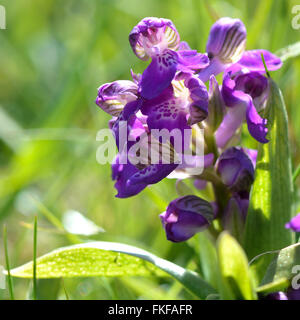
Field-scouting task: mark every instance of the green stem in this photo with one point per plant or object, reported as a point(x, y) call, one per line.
point(10, 284)
point(211, 144)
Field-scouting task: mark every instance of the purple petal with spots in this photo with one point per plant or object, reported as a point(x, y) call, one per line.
point(158, 74)
point(151, 174)
point(121, 173)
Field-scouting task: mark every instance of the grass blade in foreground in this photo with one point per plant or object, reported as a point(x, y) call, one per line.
point(10, 284)
point(272, 193)
point(235, 280)
point(110, 259)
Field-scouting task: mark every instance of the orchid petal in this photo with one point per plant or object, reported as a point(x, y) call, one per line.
point(151, 33)
point(158, 74)
point(252, 60)
point(227, 40)
point(151, 174)
point(121, 173)
point(112, 97)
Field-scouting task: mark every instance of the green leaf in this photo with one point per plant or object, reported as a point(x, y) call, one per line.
point(290, 51)
point(110, 259)
point(284, 266)
point(208, 258)
point(272, 193)
point(235, 282)
point(273, 286)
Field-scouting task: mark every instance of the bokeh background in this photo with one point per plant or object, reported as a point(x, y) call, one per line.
point(54, 55)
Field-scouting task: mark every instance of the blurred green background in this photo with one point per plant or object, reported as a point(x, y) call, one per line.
point(54, 55)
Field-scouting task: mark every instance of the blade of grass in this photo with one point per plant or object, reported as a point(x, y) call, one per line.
point(264, 62)
point(296, 173)
point(10, 284)
point(55, 221)
point(34, 258)
point(65, 290)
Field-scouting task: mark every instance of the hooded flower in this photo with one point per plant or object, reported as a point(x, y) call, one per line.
point(226, 50)
point(185, 217)
point(113, 96)
point(294, 224)
point(245, 95)
point(158, 39)
point(236, 170)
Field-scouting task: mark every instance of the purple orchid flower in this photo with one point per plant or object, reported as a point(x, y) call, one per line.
point(185, 217)
point(158, 39)
point(294, 224)
point(226, 50)
point(245, 94)
point(131, 172)
point(236, 170)
point(182, 104)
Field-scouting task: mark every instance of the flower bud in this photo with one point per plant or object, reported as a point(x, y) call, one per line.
point(227, 40)
point(186, 216)
point(236, 169)
point(113, 96)
point(216, 105)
